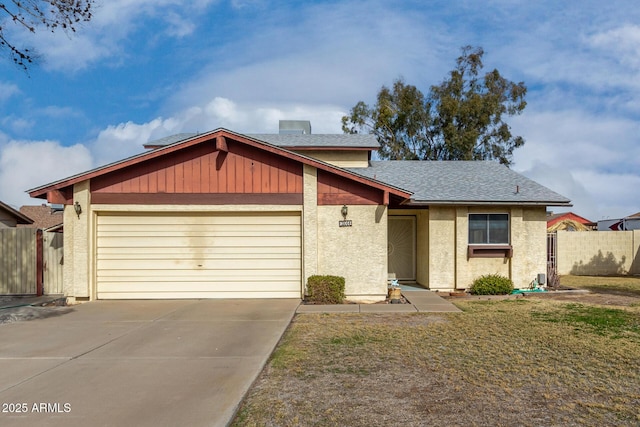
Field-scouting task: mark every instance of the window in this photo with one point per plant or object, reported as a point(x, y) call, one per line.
point(491, 229)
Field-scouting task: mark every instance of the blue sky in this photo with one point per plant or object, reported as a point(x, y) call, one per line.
point(144, 69)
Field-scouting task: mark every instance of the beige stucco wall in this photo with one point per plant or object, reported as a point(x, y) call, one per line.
point(341, 158)
point(358, 253)
point(598, 252)
point(442, 248)
point(529, 241)
point(449, 265)
point(310, 223)
point(78, 240)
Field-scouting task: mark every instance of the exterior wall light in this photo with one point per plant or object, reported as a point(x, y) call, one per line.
point(344, 211)
point(77, 208)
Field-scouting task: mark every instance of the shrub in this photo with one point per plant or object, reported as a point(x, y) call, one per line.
point(491, 284)
point(325, 289)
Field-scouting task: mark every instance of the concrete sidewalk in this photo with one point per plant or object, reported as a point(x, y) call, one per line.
point(422, 301)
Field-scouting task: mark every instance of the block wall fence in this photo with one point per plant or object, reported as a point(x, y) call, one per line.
point(598, 253)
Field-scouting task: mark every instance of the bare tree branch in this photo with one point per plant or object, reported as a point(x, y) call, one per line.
point(40, 14)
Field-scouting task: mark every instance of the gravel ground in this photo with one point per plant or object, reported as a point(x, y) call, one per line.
point(23, 312)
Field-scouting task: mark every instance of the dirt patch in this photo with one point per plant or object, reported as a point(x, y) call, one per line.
point(621, 299)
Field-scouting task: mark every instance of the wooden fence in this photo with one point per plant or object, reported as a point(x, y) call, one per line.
point(52, 262)
point(30, 262)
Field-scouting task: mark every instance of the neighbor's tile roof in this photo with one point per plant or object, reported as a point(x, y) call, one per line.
point(43, 216)
point(291, 140)
point(461, 182)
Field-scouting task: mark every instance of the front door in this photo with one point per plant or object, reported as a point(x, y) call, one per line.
point(401, 247)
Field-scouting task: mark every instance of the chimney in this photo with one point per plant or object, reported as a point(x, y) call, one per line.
point(295, 127)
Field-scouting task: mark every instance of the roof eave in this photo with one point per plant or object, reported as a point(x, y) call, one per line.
point(41, 192)
point(327, 148)
point(145, 155)
point(19, 216)
point(413, 202)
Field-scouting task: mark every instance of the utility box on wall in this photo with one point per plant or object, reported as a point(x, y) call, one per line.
point(542, 279)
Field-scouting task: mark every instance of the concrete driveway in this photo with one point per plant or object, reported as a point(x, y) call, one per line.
point(143, 363)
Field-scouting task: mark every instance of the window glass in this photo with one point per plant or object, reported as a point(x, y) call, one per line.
point(478, 228)
point(498, 228)
point(488, 229)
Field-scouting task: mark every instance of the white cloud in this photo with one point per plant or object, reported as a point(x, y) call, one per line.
point(126, 139)
point(28, 164)
point(562, 181)
point(7, 90)
point(329, 54)
point(107, 34)
point(18, 172)
point(17, 124)
point(593, 160)
point(622, 43)
point(179, 26)
point(318, 59)
point(242, 4)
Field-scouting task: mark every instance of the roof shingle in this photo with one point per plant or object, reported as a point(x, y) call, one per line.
point(461, 182)
point(291, 140)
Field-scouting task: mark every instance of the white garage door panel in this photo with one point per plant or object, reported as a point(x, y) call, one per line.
point(189, 276)
point(196, 242)
point(169, 287)
point(238, 265)
point(199, 256)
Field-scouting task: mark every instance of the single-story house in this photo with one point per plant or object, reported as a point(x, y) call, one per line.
point(10, 217)
point(227, 215)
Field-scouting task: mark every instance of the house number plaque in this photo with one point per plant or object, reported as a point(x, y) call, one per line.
point(345, 223)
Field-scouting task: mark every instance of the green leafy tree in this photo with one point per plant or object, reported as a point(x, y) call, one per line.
point(50, 15)
point(460, 119)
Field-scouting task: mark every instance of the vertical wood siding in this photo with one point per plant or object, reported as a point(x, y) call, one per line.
point(18, 261)
point(202, 170)
point(334, 190)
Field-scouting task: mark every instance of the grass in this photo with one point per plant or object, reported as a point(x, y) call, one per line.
point(513, 362)
point(625, 285)
point(601, 320)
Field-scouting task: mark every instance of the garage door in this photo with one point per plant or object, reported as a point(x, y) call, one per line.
point(198, 256)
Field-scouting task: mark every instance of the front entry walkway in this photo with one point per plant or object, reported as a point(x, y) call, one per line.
point(422, 301)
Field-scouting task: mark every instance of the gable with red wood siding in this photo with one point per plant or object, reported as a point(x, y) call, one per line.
point(203, 175)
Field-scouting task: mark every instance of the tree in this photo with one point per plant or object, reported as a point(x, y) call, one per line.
point(460, 119)
point(32, 14)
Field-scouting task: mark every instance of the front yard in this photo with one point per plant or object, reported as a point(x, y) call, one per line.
point(533, 361)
